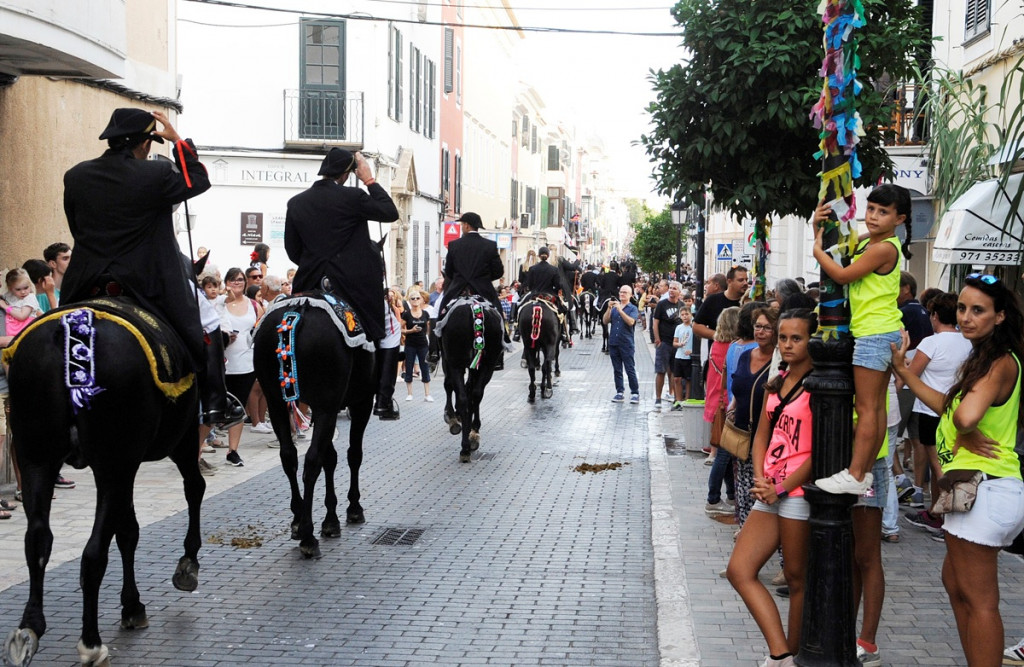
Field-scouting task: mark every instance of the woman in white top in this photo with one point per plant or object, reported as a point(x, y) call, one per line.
point(936, 362)
point(238, 316)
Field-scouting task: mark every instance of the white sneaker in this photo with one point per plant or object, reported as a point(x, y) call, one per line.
point(788, 661)
point(844, 482)
point(408, 398)
point(428, 399)
point(262, 427)
point(868, 659)
point(1014, 655)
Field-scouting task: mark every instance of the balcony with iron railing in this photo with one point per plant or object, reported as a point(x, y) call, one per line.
point(907, 124)
point(315, 118)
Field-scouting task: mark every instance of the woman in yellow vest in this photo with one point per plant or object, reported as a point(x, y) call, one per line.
point(980, 416)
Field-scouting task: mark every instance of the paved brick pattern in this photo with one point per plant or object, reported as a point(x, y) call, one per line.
point(523, 561)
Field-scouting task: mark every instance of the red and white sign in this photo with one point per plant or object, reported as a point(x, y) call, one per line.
point(452, 231)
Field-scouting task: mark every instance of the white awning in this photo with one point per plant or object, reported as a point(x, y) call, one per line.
point(972, 230)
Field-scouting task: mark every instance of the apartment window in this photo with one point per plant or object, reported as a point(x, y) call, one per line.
point(526, 131)
point(977, 21)
point(426, 251)
point(553, 158)
point(534, 144)
point(428, 97)
point(449, 60)
point(531, 201)
point(322, 79)
point(432, 100)
point(514, 210)
point(458, 74)
point(458, 184)
point(446, 176)
point(395, 74)
point(415, 251)
point(415, 89)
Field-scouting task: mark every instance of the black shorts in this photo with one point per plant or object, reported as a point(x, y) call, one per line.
point(681, 368)
point(927, 425)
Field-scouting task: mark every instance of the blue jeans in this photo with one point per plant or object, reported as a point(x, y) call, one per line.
point(411, 354)
point(622, 356)
point(721, 470)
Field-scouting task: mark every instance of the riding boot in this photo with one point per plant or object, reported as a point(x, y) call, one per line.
point(216, 408)
point(573, 327)
point(517, 335)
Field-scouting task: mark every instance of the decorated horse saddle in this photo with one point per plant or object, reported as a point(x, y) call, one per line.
point(169, 361)
point(341, 313)
point(471, 300)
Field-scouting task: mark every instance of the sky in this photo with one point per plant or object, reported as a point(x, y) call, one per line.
point(600, 81)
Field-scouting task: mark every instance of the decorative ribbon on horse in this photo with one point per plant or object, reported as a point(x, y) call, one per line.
point(535, 322)
point(79, 358)
point(288, 372)
point(478, 335)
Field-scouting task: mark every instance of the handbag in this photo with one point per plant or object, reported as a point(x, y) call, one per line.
point(736, 440)
point(959, 491)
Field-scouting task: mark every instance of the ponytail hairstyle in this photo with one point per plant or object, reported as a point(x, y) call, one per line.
point(890, 194)
point(260, 254)
point(1006, 338)
point(807, 315)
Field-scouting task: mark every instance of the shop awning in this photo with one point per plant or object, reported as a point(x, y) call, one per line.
point(972, 230)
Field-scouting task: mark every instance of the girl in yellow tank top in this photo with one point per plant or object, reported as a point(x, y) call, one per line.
point(874, 283)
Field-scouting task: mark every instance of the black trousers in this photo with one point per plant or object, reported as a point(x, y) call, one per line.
point(387, 369)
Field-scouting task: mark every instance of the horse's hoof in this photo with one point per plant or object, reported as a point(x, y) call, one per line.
point(21, 647)
point(310, 549)
point(546, 393)
point(558, 374)
point(295, 530)
point(455, 427)
point(474, 441)
point(355, 517)
point(465, 457)
point(136, 620)
point(186, 575)
point(98, 656)
point(330, 529)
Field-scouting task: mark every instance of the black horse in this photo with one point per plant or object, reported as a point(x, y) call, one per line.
point(539, 326)
point(590, 312)
point(319, 368)
point(109, 403)
point(471, 344)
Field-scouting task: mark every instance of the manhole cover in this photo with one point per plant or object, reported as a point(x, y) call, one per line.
point(398, 537)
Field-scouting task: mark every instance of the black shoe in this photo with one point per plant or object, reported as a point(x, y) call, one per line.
point(782, 591)
point(234, 459)
point(499, 365)
point(516, 336)
point(389, 413)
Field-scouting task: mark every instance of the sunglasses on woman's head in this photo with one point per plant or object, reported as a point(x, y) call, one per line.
point(986, 278)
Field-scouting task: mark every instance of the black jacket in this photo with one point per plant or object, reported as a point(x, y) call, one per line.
point(608, 284)
point(588, 281)
point(119, 211)
point(472, 264)
point(326, 234)
point(542, 278)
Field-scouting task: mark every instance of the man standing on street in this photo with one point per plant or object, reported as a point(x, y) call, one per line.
point(707, 316)
point(621, 315)
point(666, 318)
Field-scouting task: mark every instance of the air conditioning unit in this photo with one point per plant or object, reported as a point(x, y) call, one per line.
point(525, 219)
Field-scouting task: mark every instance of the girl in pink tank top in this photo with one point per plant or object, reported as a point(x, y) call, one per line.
point(781, 456)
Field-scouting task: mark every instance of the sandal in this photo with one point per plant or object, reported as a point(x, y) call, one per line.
point(4, 514)
point(892, 539)
point(6, 506)
point(17, 495)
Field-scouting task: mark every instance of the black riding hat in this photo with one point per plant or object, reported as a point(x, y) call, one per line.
point(337, 162)
point(130, 123)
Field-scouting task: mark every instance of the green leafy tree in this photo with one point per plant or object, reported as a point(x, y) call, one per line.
point(650, 247)
point(734, 118)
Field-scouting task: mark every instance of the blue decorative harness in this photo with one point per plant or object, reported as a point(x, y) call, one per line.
point(288, 372)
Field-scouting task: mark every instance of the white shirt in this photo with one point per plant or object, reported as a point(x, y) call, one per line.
point(947, 351)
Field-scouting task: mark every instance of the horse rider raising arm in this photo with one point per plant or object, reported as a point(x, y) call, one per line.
point(326, 234)
point(119, 209)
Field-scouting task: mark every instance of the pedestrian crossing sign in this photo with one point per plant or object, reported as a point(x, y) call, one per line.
point(724, 252)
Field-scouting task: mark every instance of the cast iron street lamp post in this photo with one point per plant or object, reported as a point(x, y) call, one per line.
point(678, 220)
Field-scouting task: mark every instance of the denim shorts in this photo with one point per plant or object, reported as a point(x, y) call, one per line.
point(878, 495)
point(997, 516)
point(788, 508)
point(873, 352)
